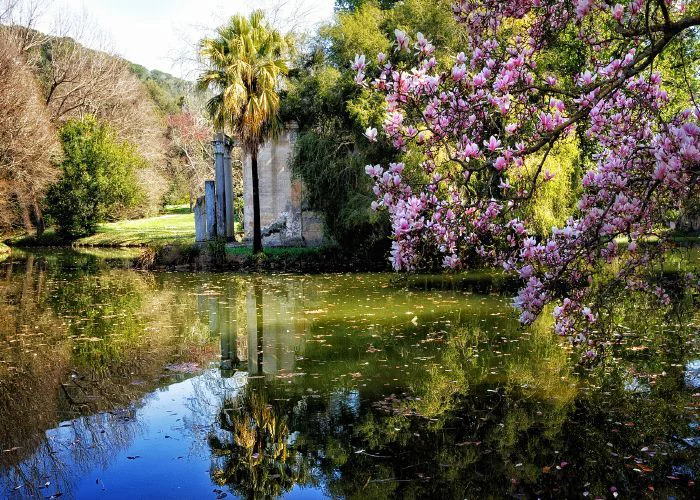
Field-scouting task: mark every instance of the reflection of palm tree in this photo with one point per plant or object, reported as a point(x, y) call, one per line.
point(252, 454)
point(259, 324)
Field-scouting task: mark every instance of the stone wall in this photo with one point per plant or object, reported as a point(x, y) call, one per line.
point(284, 220)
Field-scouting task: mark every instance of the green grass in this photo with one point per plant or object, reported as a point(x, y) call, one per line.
point(175, 226)
point(4, 249)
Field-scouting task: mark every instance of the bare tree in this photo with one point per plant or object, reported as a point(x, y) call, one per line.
point(78, 80)
point(20, 19)
point(28, 143)
point(190, 136)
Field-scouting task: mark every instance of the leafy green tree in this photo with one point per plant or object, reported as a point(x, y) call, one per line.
point(98, 181)
point(246, 61)
point(333, 111)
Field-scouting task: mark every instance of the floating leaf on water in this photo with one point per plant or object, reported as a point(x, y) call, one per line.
point(183, 367)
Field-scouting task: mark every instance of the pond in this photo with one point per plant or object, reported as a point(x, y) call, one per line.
point(117, 383)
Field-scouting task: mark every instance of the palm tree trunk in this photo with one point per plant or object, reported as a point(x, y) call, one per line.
point(257, 236)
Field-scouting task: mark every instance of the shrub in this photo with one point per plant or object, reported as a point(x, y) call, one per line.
point(99, 180)
point(216, 249)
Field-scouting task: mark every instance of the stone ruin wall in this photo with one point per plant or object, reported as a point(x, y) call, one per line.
point(283, 217)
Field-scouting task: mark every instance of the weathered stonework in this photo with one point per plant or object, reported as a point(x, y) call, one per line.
point(284, 220)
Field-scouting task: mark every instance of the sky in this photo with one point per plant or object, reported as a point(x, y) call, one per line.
point(162, 34)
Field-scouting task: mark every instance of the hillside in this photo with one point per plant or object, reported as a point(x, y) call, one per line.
point(166, 91)
point(49, 80)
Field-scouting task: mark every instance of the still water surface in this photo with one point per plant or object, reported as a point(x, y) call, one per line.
point(117, 383)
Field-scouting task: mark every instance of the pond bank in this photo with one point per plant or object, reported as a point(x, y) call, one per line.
point(221, 257)
point(218, 256)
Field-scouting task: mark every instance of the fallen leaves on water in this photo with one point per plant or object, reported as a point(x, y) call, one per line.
point(183, 367)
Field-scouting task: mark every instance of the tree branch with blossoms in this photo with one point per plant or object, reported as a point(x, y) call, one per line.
point(499, 107)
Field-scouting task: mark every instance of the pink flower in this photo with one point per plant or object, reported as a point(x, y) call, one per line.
point(451, 261)
point(359, 64)
point(471, 150)
point(617, 12)
point(492, 144)
point(643, 161)
point(479, 80)
point(458, 72)
point(583, 7)
point(402, 40)
point(371, 134)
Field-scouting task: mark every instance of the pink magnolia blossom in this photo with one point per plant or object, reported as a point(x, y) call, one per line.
point(402, 40)
point(494, 109)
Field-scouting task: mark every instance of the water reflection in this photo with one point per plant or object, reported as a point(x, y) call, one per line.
point(121, 383)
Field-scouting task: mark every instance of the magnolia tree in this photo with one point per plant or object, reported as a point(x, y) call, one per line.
point(486, 126)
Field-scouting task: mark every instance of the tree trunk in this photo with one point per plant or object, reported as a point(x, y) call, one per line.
point(257, 236)
point(38, 218)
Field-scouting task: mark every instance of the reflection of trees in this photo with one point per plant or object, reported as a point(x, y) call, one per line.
point(75, 448)
point(459, 403)
point(81, 342)
point(259, 325)
point(29, 336)
point(499, 411)
point(252, 449)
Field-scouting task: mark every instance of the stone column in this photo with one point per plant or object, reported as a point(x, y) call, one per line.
point(228, 188)
point(200, 220)
point(219, 148)
point(210, 208)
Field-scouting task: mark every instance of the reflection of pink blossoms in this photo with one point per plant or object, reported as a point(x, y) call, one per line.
point(494, 108)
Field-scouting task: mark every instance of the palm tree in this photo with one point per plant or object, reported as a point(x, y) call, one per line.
point(246, 61)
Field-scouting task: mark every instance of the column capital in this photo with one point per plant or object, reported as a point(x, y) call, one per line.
point(218, 143)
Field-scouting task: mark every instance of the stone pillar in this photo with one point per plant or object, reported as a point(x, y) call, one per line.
point(200, 220)
point(210, 208)
point(228, 188)
point(220, 184)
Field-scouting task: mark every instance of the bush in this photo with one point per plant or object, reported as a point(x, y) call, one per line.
point(337, 186)
point(216, 249)
point(99, 180)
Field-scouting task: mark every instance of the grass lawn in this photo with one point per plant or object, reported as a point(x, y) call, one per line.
point(175, 226)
